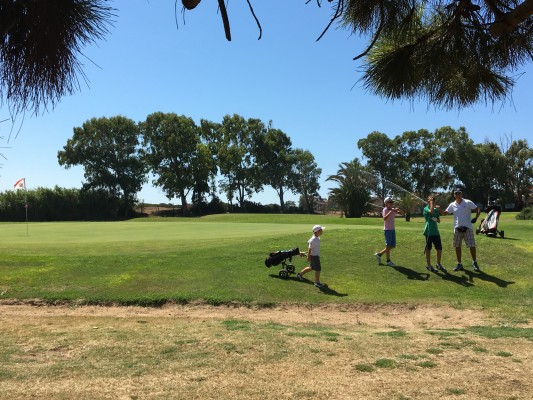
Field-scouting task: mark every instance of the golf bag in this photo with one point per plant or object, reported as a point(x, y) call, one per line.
point(489, 225)
point(283, 257)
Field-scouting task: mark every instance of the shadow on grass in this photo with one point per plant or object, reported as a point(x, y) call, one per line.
point(411, 274)
point(502, 238)
point(458, 279)
point(424, 276)
point(326, 290)
point(489, 278)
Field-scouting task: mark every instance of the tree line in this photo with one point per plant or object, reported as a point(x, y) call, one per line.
point(186, 159)
point(422, 163)
point(239, 157)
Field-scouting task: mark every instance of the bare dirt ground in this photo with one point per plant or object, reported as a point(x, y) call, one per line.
point(401, 316)
point(234, 352)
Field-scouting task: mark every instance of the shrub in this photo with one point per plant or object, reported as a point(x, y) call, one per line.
point(526, 213)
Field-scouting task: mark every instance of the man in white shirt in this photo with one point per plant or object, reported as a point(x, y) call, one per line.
point(462, 226)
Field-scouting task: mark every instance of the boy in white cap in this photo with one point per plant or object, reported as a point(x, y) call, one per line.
point(313, 256)
point(390, 231)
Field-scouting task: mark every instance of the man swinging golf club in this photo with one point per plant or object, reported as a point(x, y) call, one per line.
point(462, 226)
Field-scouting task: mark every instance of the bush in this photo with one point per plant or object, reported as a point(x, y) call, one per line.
point(215, 206)
point(258, 208)
point(526, 213)
point(59, 204)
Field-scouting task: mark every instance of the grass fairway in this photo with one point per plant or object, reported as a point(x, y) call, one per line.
point(229, 328)
point(219, 259)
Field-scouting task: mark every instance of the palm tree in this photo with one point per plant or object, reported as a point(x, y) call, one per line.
point(351, 193)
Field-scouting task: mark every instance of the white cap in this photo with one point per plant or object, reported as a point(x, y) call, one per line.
point(389, 200)
point(317, 228)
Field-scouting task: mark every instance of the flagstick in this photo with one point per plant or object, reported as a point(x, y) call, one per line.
point(21, 184)
point(27, 224)
point(26, 207)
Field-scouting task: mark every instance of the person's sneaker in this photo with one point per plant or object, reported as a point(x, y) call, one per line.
point(476, 267)
point(431, 269)
point(300, 277)
point(320, 285)
point(440, 267)
point(390, 263)
point(459, 267)
point(378, 257)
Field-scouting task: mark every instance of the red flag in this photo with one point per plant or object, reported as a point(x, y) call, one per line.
point(21, 184)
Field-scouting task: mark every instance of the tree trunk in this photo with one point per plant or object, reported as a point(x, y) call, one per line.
point(308, 204)
point(126, 205)
point(184, 209)
point(281, 201)
point(240, 192)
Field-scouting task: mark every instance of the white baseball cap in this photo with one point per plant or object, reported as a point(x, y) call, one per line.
point(317, 228)
point(389, 200)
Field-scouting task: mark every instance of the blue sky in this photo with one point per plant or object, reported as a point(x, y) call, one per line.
point(308, 89)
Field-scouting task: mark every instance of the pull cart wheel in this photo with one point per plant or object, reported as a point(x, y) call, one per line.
point(283, 274)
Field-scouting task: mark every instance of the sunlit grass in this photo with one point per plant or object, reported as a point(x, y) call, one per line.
point(220, 259)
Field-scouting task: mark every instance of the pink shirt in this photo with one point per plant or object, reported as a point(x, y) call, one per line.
point(388, 224)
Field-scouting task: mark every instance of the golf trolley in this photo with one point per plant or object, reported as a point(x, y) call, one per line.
point(283, 257)
point(489, 225)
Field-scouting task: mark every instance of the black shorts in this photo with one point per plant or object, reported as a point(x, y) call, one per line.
point(435, 240)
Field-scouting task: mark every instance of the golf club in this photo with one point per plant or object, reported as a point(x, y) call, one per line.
point(376, 180)
point(374, 205)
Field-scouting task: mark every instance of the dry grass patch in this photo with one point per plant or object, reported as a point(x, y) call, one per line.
point(293, 352)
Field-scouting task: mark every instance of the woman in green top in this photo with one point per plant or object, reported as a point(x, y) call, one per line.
point(431, 232)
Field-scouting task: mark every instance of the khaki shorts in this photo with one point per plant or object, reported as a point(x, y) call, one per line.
point(467, 236)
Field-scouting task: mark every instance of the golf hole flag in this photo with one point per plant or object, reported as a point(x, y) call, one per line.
point(21, 184)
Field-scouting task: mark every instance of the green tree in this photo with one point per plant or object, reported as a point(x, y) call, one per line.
point(352, 191)
point(307, 175)
point(203, 171)
point(233, 142)
point(519, 171)
point(176, 155)
point(456, 148)
point(381, 154)
point(407, 203)
point(108, 151)
point(275, 161)
point(492, 171)
point(421, 170)
point(479, 168)
point(464, 162)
